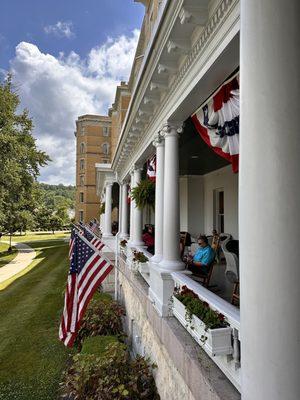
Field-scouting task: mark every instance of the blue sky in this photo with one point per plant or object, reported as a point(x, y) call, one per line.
point(66, 57)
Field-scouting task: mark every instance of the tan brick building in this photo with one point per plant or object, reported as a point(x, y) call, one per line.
point(93, 145)
point(117, 112)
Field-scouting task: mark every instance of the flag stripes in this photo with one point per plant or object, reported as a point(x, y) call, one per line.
point(88, 269)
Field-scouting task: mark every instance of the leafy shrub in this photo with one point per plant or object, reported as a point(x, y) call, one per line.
point(96, 345)
point(195, 306)
point(102, 317)
point(113, 377)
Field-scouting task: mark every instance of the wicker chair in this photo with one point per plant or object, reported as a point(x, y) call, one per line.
point(232, 272)
point(204, 278)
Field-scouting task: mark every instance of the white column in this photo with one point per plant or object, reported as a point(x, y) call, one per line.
point(137, 214)
point(107, 216)
point(171, 219)
point(269, 196)
point(159, 198)
point(124, 218)
point(131, 208)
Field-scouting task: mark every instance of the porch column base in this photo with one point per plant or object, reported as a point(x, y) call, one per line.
point(156, 258)
point(110, 242)
point(138, 243)
point(129, 255)
point(161, 290)
point(107, 235)
point(171, 265)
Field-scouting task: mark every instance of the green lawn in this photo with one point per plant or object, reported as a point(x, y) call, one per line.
point(30, 236)
point(6, 257)
point(31, 356)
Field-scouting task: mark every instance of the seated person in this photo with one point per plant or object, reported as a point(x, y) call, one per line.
point(215, 240)
point(203, 257)
point(215, 245)
point(148, 238)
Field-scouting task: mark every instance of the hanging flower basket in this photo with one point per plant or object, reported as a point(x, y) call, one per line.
point(144, 194)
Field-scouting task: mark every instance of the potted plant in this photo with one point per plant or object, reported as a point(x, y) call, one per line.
point(139, 261)
point(144, 195)
point(102, 208)
point(207, 326)
point(123, 244)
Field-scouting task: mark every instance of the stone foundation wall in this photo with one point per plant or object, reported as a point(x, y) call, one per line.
point(184, 371)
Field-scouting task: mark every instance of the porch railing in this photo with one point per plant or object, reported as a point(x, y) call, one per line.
point(142, 268)
point(229, 363)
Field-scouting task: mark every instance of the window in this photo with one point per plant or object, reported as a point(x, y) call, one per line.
point(81, 180)
point(81, 164)
point(81, 197)
point(81, 216)
point(105, 148)
point(219, 210)
point(105, 131)
point(81, 148)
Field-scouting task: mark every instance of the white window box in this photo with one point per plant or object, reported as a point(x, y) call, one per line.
point(123, 250)
point(216, 342)
point(144, 267)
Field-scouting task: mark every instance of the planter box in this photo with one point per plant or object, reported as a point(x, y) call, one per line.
point(144, 268)
point(216, 342)
point(123, 251)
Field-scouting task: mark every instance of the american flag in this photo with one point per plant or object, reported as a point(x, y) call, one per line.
point(87, 270)
point(91, 237)
point(94, 227)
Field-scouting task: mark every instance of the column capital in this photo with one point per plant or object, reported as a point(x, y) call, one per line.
point(174, 127)
point(109, 184)
point(137, 167)
point(158, 140)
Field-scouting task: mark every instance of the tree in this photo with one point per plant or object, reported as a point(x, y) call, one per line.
point(20, 161)
point(42, 217)
point(56, 223)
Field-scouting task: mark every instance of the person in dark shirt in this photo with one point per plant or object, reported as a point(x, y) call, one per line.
point(148, 238)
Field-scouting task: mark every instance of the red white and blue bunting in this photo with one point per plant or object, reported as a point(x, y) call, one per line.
point(151, 168)
point(217, 122)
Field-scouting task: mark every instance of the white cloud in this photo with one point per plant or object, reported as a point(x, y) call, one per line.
point(114, 57)
point(57, 90)
point(60, 29)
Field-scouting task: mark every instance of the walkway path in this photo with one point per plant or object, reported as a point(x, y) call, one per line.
point(24, 257)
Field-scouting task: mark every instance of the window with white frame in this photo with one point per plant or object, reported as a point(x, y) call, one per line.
point(105, 131)
point(81, 216)
point(219, 215)
point(82, 146)
point(81, 180)
point(105, 148)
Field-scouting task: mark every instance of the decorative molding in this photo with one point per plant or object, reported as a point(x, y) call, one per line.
point(177, 46)
point(158, 140)
point(213, 25)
